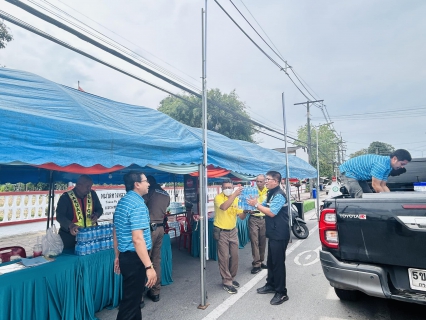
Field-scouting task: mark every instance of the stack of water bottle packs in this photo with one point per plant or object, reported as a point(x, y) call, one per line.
point(247, 193)
point(94, 239)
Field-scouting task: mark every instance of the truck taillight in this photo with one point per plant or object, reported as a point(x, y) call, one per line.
point(329, 235)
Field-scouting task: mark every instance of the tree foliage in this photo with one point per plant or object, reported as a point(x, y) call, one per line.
point(5, 36)
point(376, 147)
point(218, 120)
point(327, 147)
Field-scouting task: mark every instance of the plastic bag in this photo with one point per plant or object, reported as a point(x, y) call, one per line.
point(51, 243)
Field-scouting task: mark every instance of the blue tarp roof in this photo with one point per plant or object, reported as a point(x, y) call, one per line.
point(43, 122)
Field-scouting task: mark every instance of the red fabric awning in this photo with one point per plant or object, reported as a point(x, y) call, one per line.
point(76, 168)
point(213, 172)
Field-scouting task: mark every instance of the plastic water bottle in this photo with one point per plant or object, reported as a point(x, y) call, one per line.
point(77, 250)
point(97, 245)
point(83, 249)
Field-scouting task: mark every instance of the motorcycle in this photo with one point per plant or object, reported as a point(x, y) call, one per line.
point(298, 226)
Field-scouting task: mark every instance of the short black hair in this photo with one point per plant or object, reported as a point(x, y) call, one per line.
point(84, 177)
point(227, 180)
point(130, 178)
point(151, 180)
point(275, 175)
point(401, 155)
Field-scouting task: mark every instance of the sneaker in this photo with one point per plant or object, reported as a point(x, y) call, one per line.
point(230, 289)
point(279, 298)
point(235, 284)
point(255, 270)
point(264, 266)
point(266, 289)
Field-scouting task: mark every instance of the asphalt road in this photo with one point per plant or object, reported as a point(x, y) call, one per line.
point(311, 296)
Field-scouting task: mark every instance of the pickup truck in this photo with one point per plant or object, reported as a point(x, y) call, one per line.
point(376, 245)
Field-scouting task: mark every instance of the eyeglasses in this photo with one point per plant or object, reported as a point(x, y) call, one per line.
point(144, 180)
point(267, 179)
point(228, 188)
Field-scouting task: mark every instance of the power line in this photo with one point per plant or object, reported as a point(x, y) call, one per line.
point(97, 44)
point(112, 43)
point(122, 38)
point(45, 35)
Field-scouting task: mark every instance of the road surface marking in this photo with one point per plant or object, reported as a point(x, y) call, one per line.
point(225, 305)
point(315, 253)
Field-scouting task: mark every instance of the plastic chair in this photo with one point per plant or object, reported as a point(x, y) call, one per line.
point(7, 252)
point(167, 229)
point(185, 231)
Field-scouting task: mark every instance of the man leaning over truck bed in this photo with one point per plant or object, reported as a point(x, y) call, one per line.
point(357, 171)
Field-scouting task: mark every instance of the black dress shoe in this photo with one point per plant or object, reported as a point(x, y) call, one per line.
point(153, 297)
point(264, 266)
point(266, 289)
point(255, 270)
point(279, 298)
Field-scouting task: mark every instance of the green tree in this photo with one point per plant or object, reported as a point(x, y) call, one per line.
point(376, 147)
point(5, 36)
point(218, 120)
point(327, 147)
point(381, 148)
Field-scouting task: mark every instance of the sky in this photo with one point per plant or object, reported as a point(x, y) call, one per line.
point(365, 59)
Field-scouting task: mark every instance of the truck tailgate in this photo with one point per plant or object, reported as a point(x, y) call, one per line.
point(383, 230)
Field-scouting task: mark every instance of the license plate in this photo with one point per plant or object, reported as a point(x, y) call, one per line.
point(417, 279)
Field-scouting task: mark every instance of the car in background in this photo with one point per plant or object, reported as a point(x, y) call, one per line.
point(327, 187)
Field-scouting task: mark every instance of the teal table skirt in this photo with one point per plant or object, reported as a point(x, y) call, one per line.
point(166, 261)
point(243, 238)
point(70, 287)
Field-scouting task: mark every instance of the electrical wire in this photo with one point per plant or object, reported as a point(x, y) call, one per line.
point(112, 43)
point(136, 45)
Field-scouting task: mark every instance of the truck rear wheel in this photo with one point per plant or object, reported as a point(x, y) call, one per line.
point(347, 295)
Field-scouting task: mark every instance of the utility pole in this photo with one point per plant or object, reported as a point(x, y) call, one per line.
point(309, 137)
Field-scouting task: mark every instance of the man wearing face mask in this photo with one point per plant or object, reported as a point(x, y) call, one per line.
point(226, 235)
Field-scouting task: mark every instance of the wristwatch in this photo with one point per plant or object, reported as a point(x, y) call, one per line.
point(256, 205)
point(149, 267)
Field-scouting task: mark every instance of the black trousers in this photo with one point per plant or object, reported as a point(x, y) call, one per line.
point(276, 265)
point(133, 272)
point(68, 239)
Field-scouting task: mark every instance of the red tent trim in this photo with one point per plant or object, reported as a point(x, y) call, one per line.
point(76, 168)
point(213, 172)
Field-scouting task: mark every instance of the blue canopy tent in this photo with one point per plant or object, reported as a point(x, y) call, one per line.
point(44, 122)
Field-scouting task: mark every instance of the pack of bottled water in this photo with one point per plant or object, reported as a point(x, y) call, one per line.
point(94, 239)
point(247, 193)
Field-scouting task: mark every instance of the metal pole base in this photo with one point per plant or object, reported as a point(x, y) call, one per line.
point(203, 307)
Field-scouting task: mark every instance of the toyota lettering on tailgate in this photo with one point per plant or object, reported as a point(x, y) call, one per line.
point(361, 216)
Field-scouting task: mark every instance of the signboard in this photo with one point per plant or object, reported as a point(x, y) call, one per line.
point(190, 190)
point(109, 199)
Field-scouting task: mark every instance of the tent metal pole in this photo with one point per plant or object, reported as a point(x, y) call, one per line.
point(49, 197)
point(203, 170)
point(287, 183)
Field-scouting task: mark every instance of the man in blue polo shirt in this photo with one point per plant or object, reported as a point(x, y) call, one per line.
point(132, 240)
point(357, 171)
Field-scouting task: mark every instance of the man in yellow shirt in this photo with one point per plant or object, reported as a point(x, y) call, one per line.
point(257, 229)
point(226, 235)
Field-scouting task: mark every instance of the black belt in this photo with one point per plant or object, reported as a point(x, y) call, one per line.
point(258, 217)
point(158, 224)
point(226, 230)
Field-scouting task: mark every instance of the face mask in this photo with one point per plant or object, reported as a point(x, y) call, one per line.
point(227, 192)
